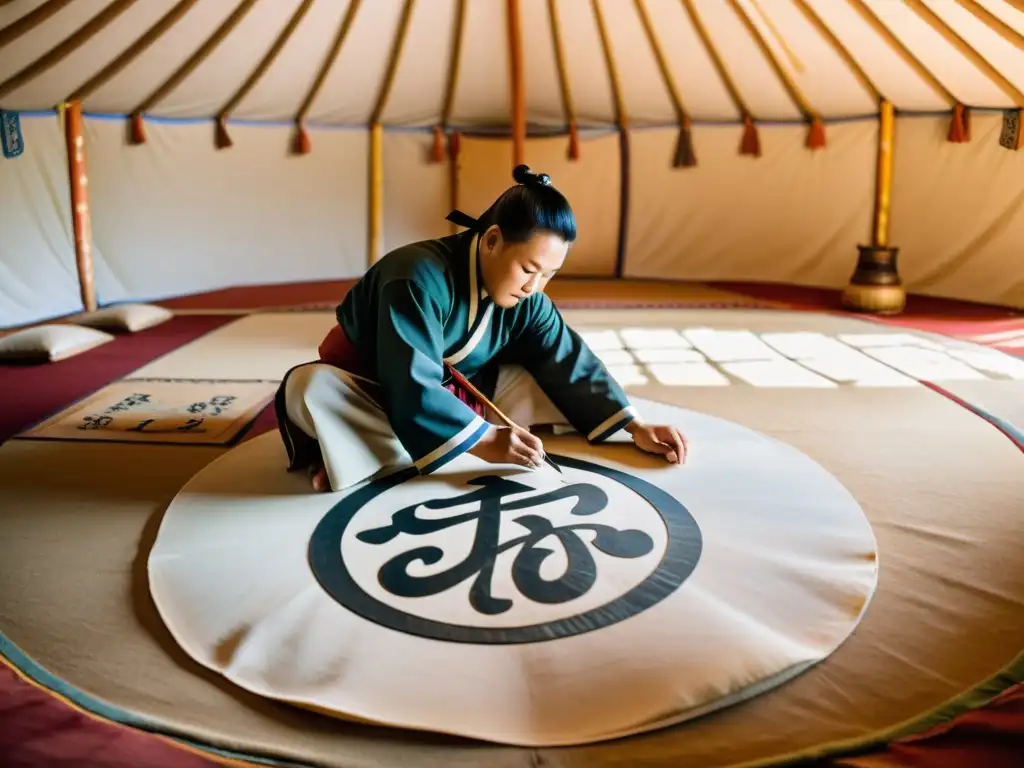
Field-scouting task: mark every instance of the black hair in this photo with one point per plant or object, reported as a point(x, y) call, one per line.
point(532, 205)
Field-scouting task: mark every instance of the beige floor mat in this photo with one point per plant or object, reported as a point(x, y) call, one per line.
point(261, 346)
point(941, 487)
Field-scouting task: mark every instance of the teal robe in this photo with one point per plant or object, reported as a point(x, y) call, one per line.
point(424, 303)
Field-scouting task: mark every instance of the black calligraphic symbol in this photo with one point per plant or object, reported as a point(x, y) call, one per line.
point(577, 579)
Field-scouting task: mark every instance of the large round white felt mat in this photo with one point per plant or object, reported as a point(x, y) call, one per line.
point(515, 606)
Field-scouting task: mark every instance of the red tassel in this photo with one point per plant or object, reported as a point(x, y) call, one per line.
point(138, 129)
point(816, 135)
point(751, 143)
point(454, 143)
point(574, 142)
point(222, 139)
point(685, 157)
point(303, 146)
point(437, 153)
point(959, 130)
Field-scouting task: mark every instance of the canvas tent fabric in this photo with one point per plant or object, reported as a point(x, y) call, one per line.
point(609, 91)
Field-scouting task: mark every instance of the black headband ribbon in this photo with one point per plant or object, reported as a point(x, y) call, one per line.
point(461, 219)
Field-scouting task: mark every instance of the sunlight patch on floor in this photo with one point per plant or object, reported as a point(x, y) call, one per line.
point(710, 357)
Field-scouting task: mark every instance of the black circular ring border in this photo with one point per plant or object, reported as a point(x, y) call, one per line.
point(685, 544)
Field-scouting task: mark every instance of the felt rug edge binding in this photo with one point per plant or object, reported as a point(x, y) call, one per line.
point(980, 695)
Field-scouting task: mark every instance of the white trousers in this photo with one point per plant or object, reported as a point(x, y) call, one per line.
point(355, 437)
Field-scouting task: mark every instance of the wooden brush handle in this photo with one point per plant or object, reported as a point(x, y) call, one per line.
point(464, 382)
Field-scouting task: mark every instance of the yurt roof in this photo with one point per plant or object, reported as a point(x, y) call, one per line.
point(447, 62)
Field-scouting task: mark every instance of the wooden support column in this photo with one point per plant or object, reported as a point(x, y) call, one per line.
point(517, 89)
point(80, 218)
point(375, 242)
point(876, 286)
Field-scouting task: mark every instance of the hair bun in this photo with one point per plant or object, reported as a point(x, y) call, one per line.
point(524, 175)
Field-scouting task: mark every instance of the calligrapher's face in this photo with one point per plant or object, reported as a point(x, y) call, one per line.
point(515, 271)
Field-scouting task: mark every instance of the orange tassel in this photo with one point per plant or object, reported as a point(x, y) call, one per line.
point(959, 131)
point(454, 142)
point(574, 142)
point(816, 134)
point(303, 146)
point(222, 139)
point(437, 155)
point(138, 129)
point(751, 143)
point(967, 124)
point(685, 157)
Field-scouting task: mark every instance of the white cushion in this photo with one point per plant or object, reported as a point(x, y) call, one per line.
point(51, 342)
point(125, 317)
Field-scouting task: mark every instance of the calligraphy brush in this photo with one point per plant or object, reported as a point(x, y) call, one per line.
point(463, 381)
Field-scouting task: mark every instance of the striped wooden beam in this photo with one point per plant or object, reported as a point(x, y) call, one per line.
point(65, 47)
point(163, 25)
point(684, 156)
point(750, 144)
point(302, 144)
point(222, 138)
point(563, 81)
point(517, 87)
point(138, 134)
point(376, 228)
point(622, 121)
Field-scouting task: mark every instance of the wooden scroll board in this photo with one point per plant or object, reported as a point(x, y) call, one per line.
point(1009, 137)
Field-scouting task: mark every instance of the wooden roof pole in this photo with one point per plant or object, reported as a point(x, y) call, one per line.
point(816, 134)
point(64, 48)
point(959, 128)
point(222, 138)
point(138, 134)
point(302, 143)
point(563, 81)
point(30, 20)
point(375, 235)
point(750, 144)
point(163, 25)
point(451, 85)
point(684, 156)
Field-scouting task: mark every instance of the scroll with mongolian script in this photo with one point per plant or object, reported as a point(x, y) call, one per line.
point(161, 411)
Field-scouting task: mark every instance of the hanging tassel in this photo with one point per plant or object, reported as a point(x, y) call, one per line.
point(454, 143)
point(959, 132)
point(437, 151)
point(574, 142)
point(967, 124)
point(302, 144)
point(137, 130)
point(685, 157)
point(816, 134)
point(222, 140)
point(751, 143)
